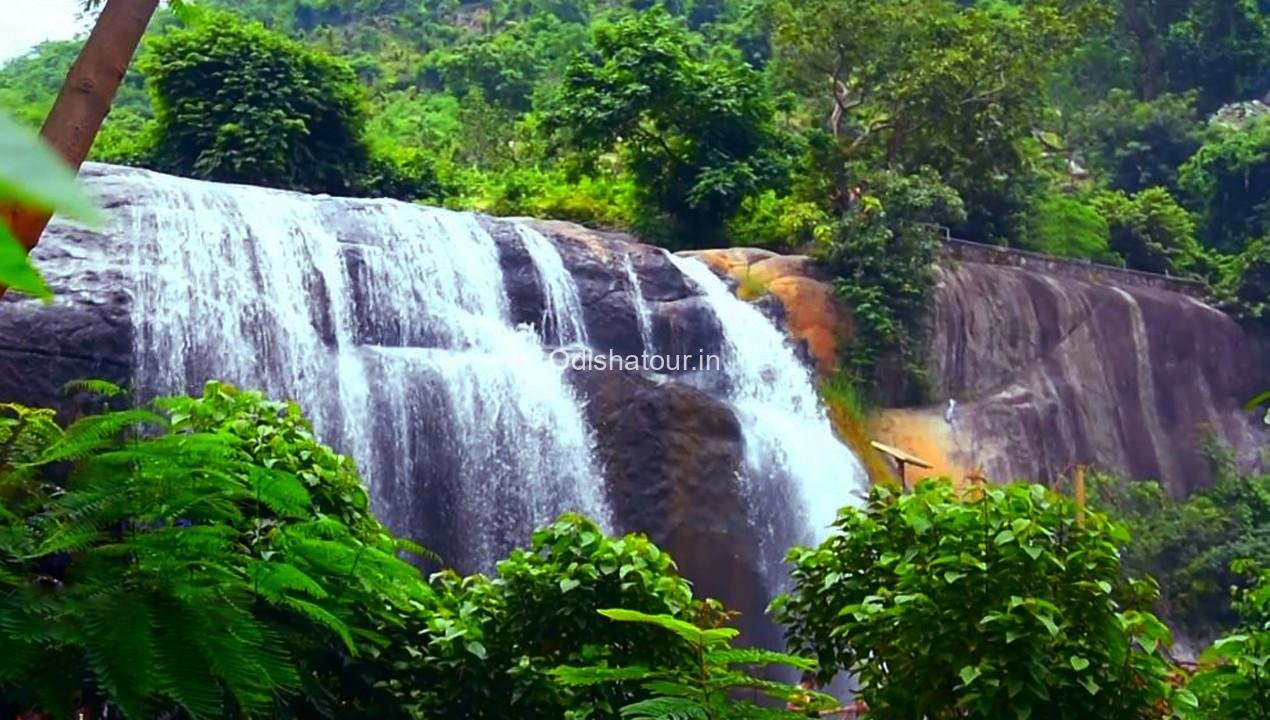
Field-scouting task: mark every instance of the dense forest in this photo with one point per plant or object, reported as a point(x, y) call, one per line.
point(209, 557)
point(1119, 132)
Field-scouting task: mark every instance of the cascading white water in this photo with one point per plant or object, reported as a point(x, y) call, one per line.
point(643, 313)
point(398, 346)
point(797, 473)
point(562, 321)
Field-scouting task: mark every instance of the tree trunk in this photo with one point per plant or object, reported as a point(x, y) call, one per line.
point(85, 98)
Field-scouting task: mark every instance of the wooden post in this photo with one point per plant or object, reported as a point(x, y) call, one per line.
point(1078, 478)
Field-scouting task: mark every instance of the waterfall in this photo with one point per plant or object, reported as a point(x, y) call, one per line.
point(643, 314)
point(392, 331)
point(797, 473)
point(562, 321)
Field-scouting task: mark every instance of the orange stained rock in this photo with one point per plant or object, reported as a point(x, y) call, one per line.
point(922, 432)
point(814, 315)
point(813, 311)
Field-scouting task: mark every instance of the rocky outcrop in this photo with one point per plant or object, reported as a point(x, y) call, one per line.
point(672, 454)
point(807, 305)
point(1051, 371)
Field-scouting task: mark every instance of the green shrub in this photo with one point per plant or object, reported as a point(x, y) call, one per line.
point(491, 644)
point(1068, 227)
point(237, 102)
point(1233, 682)
point(779, 222)
point(1150, 231)
point(697, 134)
point(882, 257)
point(602, 200)
point(1228, 180)
point(1246, 288)
point(997, 604)
point(712, 686)
point(1188, 545)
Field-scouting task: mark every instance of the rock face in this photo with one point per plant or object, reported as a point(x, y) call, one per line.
point(1051, 371)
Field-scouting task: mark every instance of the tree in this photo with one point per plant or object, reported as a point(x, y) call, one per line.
point(931, 83)
point(1139, 144)
point(882, 254)
point(1228, 180)
point(237, 102)
point(698, 135)
point(999, 603)
point(85, 98)
point(1150, 231)
point(1221, 48)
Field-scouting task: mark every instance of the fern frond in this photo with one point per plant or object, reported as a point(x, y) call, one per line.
point(275, 580)
point(282, 492)
point(95, 432)
point(179, 640)
point(120, 648)
point(104, 388)
point(757, 656)
point(666, 708)
point(411, 547)
point(68, 537)
point(323, 617)
point(594, 675)
point(685, 630)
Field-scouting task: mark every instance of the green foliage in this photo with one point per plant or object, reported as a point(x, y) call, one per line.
point(1234, 676)
point(194, 557)
point(1229, 181)
point(1139, 145)
point(491, 644)
point(1068, 227)
point(932, 83)
point(780, 222)
point(697, 134)
point(1188, 545)
point(1246, 288)
point(1150, 231)
point(882, 254)
point(237, 102)
point(707, 688)
point(997, 604)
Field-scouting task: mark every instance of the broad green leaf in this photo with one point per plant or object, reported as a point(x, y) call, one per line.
point(16, 270)
point(32, 175)
point(1078, 663)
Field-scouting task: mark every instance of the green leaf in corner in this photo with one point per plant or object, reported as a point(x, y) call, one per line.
point(16, 270)
point(32, 175)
